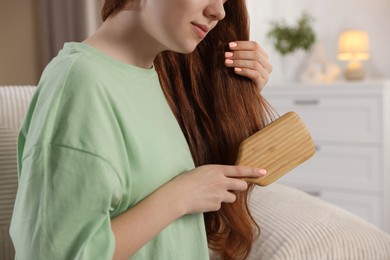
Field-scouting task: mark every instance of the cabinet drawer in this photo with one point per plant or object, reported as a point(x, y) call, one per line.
point(344, 167)
point(334, 118)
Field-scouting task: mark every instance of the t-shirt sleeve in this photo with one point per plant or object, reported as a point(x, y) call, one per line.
point(63, 205)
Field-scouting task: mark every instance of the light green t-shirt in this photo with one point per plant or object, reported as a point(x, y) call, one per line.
point(98, 138)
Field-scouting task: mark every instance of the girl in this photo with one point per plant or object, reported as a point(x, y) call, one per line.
point(108, 148)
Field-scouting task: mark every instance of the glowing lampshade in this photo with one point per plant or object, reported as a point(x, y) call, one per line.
point(353, 47)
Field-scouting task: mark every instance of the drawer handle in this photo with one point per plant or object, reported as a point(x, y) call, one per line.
point(306, 102)
point(314, 193)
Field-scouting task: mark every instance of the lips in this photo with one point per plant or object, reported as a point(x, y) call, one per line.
point(200, 29)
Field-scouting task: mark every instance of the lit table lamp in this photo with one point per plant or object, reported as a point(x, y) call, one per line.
point(354, 47)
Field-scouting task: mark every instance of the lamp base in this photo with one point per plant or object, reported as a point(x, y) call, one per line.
point(354, 71)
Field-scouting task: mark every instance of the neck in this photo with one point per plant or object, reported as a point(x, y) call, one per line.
point(122, 38)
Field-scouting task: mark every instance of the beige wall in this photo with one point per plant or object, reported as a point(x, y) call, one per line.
point(19, 42)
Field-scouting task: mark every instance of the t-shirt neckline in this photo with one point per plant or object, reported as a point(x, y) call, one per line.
point(86, 48)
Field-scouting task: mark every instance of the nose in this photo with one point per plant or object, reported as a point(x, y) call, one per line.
point(215, 10)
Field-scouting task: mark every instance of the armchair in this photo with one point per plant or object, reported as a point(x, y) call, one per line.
point(294, 225)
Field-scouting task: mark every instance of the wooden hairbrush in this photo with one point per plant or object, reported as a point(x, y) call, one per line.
point(279, 147)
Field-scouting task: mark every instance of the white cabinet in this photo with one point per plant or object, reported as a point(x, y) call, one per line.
point(350, 125)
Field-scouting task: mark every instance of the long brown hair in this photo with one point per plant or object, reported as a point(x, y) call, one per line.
point(216, 110)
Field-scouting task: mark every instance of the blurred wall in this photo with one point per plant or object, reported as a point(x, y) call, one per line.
point(19, 52)
point(33, 31)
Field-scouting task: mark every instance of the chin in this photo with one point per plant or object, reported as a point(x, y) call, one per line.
point(188, 51)
point(186, 48)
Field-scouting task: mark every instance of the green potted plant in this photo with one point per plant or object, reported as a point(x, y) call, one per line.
point(287, 39)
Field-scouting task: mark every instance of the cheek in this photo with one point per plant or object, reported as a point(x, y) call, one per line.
point(176, 24)
point(174, 14)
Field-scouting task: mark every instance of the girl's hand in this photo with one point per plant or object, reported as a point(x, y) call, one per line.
point(204, 188)
point(249, 60)
point(199, 190)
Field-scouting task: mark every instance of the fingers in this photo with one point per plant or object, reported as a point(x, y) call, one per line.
point(240, 57)
point(257, 72)
point(242, 171)
point(229, 197)
point(228, 176)
point(235, 172)
point(249, 60)
point(247, 45)
point(233, 184)
point(206, 187)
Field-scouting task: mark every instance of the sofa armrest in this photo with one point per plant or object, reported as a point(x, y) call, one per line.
point(14, 101)
point(295, 225)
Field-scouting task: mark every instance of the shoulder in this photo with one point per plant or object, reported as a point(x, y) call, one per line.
point(70, 101)
point(74, 78)
point(73, 68)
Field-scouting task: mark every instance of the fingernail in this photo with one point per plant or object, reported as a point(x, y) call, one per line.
point(262, 172)
point(227, 61)
point(237, 69)
point(228, 54)
point(232, 44)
